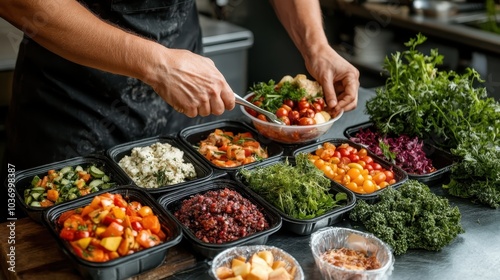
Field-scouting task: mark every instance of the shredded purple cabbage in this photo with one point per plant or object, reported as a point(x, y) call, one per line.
point(408, 152)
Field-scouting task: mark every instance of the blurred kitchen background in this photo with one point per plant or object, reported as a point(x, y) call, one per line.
point(248, 44)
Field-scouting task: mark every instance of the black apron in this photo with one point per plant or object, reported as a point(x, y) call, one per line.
point(60, 109)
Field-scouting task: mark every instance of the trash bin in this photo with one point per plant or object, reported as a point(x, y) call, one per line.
point(227, 45)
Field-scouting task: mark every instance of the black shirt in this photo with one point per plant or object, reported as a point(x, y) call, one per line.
point(60, 109)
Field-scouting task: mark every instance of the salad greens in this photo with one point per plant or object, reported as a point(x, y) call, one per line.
point(447, 108)
point(300, 191)
point(271, 99)
point(410, 217)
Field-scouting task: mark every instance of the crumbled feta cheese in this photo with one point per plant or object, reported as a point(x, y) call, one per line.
point(157, 165)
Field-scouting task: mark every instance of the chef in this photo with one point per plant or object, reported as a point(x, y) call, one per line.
point(91, 74)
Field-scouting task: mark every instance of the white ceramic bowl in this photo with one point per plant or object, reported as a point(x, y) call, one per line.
point(225, 257)
point(338, 237)
point(290, 134)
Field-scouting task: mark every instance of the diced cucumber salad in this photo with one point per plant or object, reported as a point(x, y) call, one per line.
point(66, 184)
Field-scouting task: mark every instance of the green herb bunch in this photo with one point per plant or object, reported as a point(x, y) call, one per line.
point(444, 107)
point(271, 98)
point(410, 217)
point(300, 191)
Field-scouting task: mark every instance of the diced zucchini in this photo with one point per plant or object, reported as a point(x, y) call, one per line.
point(35, 195)
point(35, 181)
point(96, 183)
point(105, 178)
point(96, 172)
point(65, 182)
point(28, 200)
point(69, 175)
point(72, 196)
point(35, 204)
point(66, 169)
point(106, 186)
point(78, 168)
point(38, 189)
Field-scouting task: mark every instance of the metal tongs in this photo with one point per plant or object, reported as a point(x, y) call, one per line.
point(270, 116)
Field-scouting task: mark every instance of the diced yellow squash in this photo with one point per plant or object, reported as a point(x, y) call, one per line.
point(279, 274)
point(111, 243)
point(267, 256)
point(84, 242)
point(243, 270)
point(224, 272)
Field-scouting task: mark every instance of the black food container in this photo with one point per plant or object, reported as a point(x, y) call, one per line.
point(24, 177)
point(193, 135)
point(399, 174)
point(203, 171)
point(172, 202)
point(125, 266)
point(305, 226)
point(441, 159)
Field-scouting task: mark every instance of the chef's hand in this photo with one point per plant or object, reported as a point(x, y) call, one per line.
point(191, 84)
point(339, 79)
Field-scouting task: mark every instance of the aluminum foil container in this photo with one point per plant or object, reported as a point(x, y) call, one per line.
point(225, 257)
point(337, 237)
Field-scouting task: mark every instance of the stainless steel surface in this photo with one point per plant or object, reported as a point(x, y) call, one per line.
point(472, 255)
point(270, 116)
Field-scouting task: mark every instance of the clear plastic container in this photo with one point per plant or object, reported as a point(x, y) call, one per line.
point(290, 134)
point(337, 237)
point(225, 257)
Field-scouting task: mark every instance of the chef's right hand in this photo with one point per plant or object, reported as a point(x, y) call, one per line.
point(190, 83)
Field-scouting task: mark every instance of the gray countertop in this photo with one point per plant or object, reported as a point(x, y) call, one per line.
point(474, 254)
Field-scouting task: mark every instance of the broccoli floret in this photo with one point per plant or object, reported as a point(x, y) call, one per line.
point(410, 217)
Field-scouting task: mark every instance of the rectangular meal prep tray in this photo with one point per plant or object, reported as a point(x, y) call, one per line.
point(441, 159)
point(125, 266)
point(399, 174)
point(172, 201)
point(307, 226)
point(191, 137)
point(24, 177)
point(203, 170)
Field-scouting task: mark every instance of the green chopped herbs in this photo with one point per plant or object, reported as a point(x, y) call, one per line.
point(448, 109)
point(410, 217)
point(300, 191)
point(272, 99)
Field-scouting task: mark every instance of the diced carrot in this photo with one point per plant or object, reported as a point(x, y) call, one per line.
point(84, 175)
point(52, 174)
point(44, 181)
point(152, 223)
point(52, 195)
point(86, 210)
point(46, 203)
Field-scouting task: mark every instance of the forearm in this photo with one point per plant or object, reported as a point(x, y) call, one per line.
point(304, 23)
point(68, 29)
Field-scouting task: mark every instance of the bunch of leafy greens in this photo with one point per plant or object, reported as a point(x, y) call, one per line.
point(300, 191)
point(272, 97)
point(410, 217)
point(446, 108)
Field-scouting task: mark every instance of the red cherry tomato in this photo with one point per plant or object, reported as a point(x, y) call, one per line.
point(281, 112)
point(294, 116)
point(308, 113)
point(289, 103)
point(306, 121)
point(285, 119)
point(262, 117)
point(304, 104)
point(317, 107)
